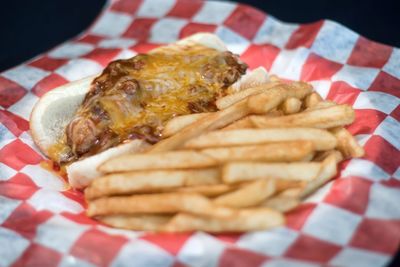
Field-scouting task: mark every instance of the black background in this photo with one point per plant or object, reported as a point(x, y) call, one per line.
point(29, 27)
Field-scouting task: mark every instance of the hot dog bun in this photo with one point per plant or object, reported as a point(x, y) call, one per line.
point(56, 109)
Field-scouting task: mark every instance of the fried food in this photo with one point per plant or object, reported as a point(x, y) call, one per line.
point(235, 172)
point(321, 139)
point(237, 169)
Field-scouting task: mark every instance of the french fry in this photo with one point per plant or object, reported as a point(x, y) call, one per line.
point(149, 181)
point(294, 192)
point(274, 78)
point(229, 100)
point(321, 139)
point(157, 204)
point(211, 122)
point(245, 220)
point(207, 190)
point(273, 113)
point(327, 172)
point(244, 171)
point(263, 102)
point(140, 222)
point(281, 203)
point(283, 185)
point(347, 144)
point(257, 76)
point(321, 156)
point(266, 101)
point(309, 157)
point(291, 105)
point(321, 118)
point(240, 124)
point(168, 160)
point(176, 124)
point(273, 152)
point(312, 100)
point(249, 195)
point(322, 104)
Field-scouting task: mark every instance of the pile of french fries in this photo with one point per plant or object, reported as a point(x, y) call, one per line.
point(238, 169)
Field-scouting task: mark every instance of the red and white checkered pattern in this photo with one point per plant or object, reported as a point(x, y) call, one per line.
point(352, 221)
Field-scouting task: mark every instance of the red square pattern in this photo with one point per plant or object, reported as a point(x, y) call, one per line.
point(13, 123)
point(229, 238)
point(90, 38)
point(234, 257)
point(312, 249)
point(318, 68)
point(386, 83)
point(245, 15)
point(48, 83)
point(296, 218)
point(185, 8)
point(192, 28)
point(367, 53)
point(343, 93)
point(144, 47)
point(37, 255)
point(102, 55)
point(260, 55)
point(392, 182)
point(97, 247)
point(374, 148)
point(126, 6)
point(48, 63)
point(18, 154)
point(304, 35)
point(20, 186)
point(80, 218)
point(179, 264)
point(169, 242)
point(396, 113)
point(140, 29)
point(10, 92)
point(75, 195)
point(25, 219)
point(366, 121)
point(377, 235)
point(351, 194)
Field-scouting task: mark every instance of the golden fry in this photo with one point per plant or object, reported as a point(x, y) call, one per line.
point(211, 122)
point(321, 118)
point(149, 181)
point(321, 105)
point(245, 220)
point(312, 100)
point(229, 100)
point(248, 195)
point(266, 101)
point(244, 171)
point(244, 123)
point(347, 144)
point(321, 139)
point(176, 124)
point(321, 156)
point(140, 222)
point(281, 203)
point(291, 105)
point(272, 152)
point(158, 204)
point(211, 190)
point(168, 160)
point(327, 172)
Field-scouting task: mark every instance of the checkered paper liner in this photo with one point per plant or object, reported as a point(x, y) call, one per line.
point(352, 221)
